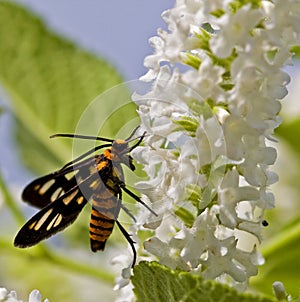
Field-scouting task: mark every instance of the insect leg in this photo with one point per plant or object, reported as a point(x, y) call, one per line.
point(128, 212)
point(130, 241)
point(135, 197)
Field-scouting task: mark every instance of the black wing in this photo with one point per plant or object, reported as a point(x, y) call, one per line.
point(61, 212)
point(51, 219)
point(46, 189)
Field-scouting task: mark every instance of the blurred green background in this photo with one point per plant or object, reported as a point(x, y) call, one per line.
point(52, 68)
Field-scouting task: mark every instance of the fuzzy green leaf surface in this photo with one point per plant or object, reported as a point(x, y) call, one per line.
point(154, 282)
point(287, 131)
point(50, 82)
point(282, 264)
point(281, 247)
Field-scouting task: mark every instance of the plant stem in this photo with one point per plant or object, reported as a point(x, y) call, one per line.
point(42, 253)
point(82, 269)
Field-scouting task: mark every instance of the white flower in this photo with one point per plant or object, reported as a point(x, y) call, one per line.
point(235, 30)
point(280, 292)
point(205, 81)
point(6, 296)
point(211, 108)
point(35, 296)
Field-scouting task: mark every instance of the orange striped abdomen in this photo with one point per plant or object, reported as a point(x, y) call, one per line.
point(105, 210)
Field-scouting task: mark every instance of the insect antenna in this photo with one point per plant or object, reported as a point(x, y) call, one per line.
point(85, 154)
point(138, 142)
point(90, 137)
point(132, 134)
point(128, 140)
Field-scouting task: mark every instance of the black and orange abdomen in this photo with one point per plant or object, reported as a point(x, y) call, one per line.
point(105, 210)
point(61, 195)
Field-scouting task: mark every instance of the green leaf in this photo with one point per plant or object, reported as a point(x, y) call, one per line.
point(51, 82)
point(24, 270)
point(193, 61)
point(186, 216)
point(296, 50)
point(189, 124)
point(154, 282)
point(237, 4)
point(289, 131)
point(281, 255)
point(193, 193)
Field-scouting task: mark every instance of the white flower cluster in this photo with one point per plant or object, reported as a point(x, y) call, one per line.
point(216, 82)
point(6, 296)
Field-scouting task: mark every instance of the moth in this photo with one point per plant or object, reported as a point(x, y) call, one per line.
point(61, 195)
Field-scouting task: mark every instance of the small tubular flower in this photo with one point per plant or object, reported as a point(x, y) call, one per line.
point(6, 296)
point(216, 82)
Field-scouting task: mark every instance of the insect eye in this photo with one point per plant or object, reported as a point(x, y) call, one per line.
point(61, 195)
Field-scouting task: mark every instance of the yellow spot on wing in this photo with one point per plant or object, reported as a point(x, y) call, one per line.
point(70, 197)
point(32, 225)
point(95, 184)
point(80, 200)
point(36, 226)
point(55, 221)
point(58, 192)
point(43, 189)
point(58, 220)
